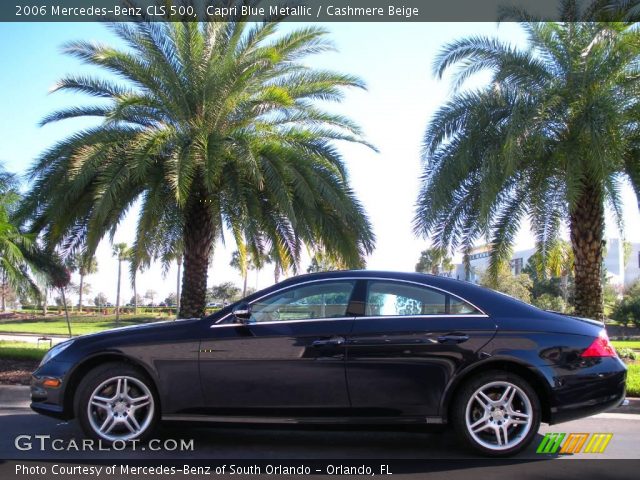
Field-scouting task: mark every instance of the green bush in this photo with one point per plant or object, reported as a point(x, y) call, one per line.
point(633, 380)
point(627, 353)
point(547, 301)
point(628, 309)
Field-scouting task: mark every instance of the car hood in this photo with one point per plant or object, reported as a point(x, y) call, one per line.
point(141, 328)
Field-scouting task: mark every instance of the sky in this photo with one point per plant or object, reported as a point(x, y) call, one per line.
point(394, 59)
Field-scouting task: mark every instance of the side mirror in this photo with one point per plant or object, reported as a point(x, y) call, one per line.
point(242, 312)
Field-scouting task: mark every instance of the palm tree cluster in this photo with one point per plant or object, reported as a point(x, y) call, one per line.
point(211, 127)
point(219, 128)
point(550, 139)
point(434, 261)
point(23, 263)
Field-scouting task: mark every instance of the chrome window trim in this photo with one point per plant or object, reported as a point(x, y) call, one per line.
point(426, 315)
point(482, 313)
point(281, 322)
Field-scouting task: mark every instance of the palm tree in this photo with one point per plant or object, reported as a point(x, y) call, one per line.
point(214, 126)
point(61, 281)
point(179, 265)
point(85, 265)
point(550, 138)
point(151, 295)
point(247, 263)
point(122, 253)
point(434, 261)
point(174, 253)
point(243, 265)
point(557, 263)
point(23, 262)
point(135, 266)
point(322, 261)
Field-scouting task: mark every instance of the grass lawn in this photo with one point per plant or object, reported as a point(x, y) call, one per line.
point(22, 350)
point(79, 325)
point(633, 380)
point(634, 344)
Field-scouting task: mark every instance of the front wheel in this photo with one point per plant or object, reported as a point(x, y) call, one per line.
point(115, 401)
point(497, 413)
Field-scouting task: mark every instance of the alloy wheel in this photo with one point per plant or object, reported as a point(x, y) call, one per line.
point(499, 415)
point(120, 408)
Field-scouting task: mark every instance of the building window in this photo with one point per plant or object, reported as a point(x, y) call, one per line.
point(516, 265)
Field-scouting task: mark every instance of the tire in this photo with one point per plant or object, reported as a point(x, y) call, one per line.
point(122, 394)
point(487, 423)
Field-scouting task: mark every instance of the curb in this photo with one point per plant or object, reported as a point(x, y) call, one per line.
point(633, 406)
point(14, 396)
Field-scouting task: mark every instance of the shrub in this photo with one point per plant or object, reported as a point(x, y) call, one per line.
point(628, 309)
point(627, 353)
point(518, 286)
point(547, 301)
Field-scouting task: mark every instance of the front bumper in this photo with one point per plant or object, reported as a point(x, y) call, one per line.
point(48, 400)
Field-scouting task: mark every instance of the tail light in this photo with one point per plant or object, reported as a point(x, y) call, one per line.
point(600, 347)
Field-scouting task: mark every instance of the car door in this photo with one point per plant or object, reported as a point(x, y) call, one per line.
point(288, 357)
point(407, 346)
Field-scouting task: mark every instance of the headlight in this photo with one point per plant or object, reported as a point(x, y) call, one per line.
point(55, 351)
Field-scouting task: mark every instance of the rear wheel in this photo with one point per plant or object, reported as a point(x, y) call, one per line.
point(116, 401)
point(496, 413)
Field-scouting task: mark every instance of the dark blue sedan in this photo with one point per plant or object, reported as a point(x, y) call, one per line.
point(358, 347)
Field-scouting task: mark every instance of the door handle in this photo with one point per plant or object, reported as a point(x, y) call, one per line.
point(333, 341)
point(453, 338)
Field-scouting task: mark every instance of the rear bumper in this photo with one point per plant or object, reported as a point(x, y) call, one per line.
point(585, 409)
point(591, 390)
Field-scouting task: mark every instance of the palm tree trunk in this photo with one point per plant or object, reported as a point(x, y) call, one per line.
point(80, 293)
point(44, 304)
point(276, 273)
point(135, 293)
point(586, 224)
point(244, 284)
point(198, 243)
point(4, 291)
point(179, 262)
point(118, 292)
point(66, 310)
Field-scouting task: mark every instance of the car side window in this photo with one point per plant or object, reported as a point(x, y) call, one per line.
point(315, 301)
point(460, 307)
point(401, 299)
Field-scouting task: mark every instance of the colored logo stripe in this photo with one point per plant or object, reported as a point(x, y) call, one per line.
point(550, 443)
point(598, 442)
point(574, 442)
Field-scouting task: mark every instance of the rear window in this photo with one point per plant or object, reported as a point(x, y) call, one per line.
point(401, 299)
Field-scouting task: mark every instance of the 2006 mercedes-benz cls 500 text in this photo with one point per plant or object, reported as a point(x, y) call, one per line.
point(357, 347)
